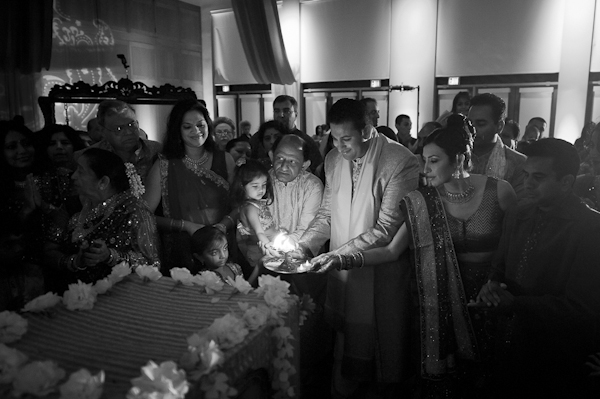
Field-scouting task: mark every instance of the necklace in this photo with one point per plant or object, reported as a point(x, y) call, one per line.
point(20, 184)
point(460, 198)
point(195, 164)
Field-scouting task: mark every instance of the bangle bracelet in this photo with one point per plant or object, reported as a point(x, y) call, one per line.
point(362, 259)
point(170, 224)
point(182, 225)
point(341, 265)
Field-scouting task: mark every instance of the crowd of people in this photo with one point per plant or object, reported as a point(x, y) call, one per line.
point(459, 263)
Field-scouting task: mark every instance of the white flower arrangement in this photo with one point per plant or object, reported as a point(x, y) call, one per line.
point(11, 360)
point(102, 286)
point(148, 273)
point(228, 330)
point(119, 272)
point(159, 382)
point(202, 360)
point(12, 327)
point(38, 378)
point(42, 303)
point(182, 276)
point(83, 385)
point(80, 296)
point(135, 181)
point(210, 281)
point(240, 284)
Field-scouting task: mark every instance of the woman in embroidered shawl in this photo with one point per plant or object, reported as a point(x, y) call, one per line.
point(113, 226)
point(188, 185)
point(453, 225)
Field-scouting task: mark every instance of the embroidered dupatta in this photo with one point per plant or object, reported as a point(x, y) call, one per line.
point(445, 325)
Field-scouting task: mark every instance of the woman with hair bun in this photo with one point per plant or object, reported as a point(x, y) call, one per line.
point(452, 226)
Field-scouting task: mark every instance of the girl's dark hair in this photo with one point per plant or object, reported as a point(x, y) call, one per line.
point(204, 237)
point(244, 174)
point(455, 139)
point(459, 95)
point(46, 136)
point(173, 146)
point(105, 163)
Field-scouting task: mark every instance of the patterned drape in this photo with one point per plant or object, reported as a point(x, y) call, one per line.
point(260, 32)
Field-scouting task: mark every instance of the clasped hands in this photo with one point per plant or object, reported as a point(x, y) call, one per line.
point(91, 255)
point(493, 295)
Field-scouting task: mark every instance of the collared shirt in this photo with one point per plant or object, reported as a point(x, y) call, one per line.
point(144, 156)
point(514, 167)
point(296, 203)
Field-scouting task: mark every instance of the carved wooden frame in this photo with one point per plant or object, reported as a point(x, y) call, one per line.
point(124, 90)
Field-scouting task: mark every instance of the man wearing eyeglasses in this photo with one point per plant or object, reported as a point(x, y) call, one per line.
point(121, 135)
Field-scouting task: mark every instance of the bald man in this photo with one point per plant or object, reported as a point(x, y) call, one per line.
point(297, 192)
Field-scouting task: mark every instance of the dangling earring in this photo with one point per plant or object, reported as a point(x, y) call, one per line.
point(458, 172)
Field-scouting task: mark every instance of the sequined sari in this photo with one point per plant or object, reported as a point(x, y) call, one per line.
point(445, 325)
point(123, 222)
point(199, 196)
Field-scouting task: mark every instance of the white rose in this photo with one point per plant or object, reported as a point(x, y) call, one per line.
point(83, 385)
point(119, 271)
point(38, 378)
point(79, 296)
point(228, 330)
point(102, 286)
point(42, 302)
point(148, 272)
point(256, 317)
point(183, 275)
point(240, 284)
point(10, 362)
point(12, 327)
point(276, 300)
point(159, 382)
point(210, 281)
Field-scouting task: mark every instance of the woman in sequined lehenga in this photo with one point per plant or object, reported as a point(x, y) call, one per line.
point(114, 225)
point(187, 187)
point(452, 225)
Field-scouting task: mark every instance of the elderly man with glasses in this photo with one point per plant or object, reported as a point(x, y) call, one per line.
point(121, 135)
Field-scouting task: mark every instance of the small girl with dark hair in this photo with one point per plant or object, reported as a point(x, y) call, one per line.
point(211, 252)
point(252, 192)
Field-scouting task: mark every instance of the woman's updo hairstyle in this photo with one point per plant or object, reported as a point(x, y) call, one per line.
point(105, 163)
point(455, 139)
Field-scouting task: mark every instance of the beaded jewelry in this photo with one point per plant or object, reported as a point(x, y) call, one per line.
point(135, 181)
point(195, 164)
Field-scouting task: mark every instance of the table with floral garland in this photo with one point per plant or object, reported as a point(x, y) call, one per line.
point(138, 321)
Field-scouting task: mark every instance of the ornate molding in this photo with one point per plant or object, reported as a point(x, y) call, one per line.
point(124, 90)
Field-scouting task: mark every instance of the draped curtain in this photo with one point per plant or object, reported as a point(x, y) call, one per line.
point(260, 32)
point(25, 48)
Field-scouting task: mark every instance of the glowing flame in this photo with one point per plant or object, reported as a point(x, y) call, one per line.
point(282, 243)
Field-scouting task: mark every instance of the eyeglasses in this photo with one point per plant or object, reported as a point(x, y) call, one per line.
point(122, 129)
point(223, 133)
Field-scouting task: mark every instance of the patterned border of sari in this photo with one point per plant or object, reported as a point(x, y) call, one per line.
point(445, 325)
